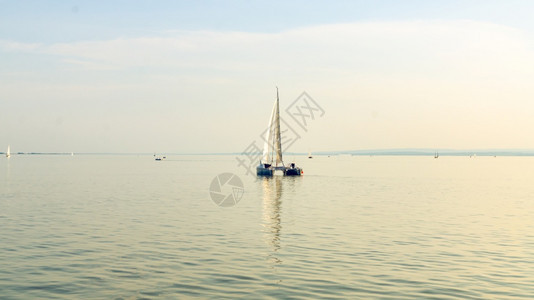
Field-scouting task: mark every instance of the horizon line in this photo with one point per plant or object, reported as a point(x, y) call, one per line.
point(380, 151)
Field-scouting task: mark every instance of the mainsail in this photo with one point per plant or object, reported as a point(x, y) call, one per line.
point(8, 153)
point(273, 141)
point(268, 146)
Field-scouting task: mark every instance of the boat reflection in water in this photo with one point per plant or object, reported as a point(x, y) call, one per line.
point(271, 217)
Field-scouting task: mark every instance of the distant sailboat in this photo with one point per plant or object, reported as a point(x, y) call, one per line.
point(272, 149)
point(8, 152)
point(309, 154)
point(436, 155)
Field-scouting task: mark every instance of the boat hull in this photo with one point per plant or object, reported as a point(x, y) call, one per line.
point(261, 171)
point(293, 172)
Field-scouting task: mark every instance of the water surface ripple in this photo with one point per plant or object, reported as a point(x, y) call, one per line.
point(127, 227)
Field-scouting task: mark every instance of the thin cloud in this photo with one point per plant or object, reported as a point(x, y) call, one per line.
point(13, 46)
point(90, 65)
point(420, 46)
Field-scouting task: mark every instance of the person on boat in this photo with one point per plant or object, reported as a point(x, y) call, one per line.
point(265, 165)
point(292, 165)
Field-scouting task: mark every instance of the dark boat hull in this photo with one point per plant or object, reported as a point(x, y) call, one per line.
point(261, 171)
point(293, 172)
point(287, 171)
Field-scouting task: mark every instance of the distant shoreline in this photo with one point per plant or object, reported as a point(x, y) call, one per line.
point(376, 152)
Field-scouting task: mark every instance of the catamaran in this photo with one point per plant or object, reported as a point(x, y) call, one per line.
point(272, 149)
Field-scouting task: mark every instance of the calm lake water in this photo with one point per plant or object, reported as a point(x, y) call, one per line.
point(128, 227)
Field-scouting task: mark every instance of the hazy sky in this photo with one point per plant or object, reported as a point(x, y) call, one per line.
point(200, 76)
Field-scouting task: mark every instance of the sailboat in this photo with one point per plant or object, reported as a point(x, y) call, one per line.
point(309, 154)
point(436, 155)
point(272, 149)
point(8, 153)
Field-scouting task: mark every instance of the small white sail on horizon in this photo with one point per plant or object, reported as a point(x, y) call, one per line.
point(8, 152)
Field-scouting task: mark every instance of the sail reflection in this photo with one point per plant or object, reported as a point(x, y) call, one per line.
point(272, 194)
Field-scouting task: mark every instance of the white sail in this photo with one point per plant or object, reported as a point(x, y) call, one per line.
point(268, 146)
point(273, 140)
point(8, 153)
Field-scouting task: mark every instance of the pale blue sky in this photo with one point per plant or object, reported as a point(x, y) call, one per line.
point(66, 21)
point(199, 76)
